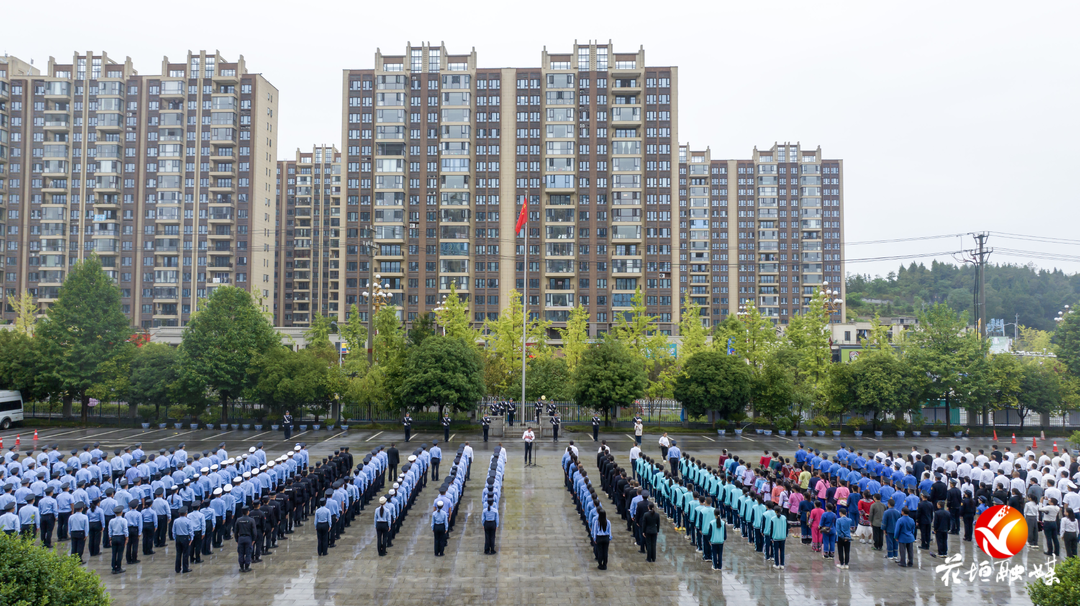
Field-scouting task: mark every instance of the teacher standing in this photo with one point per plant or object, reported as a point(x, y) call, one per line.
point(287, 422)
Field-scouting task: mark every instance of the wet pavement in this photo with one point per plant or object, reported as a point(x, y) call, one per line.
point(544, 555)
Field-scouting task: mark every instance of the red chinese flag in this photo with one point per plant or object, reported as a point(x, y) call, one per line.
point(524, 216)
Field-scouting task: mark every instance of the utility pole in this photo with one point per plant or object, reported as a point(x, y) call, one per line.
point(978, 257)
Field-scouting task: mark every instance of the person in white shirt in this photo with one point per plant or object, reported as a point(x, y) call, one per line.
point(574, 448)
point(1071, 500)
point(963, 470)
point(665, 443)
point(957, 455)
point(635, 452)
point(1017, 482)
point(528, 438)
point(1052, 491)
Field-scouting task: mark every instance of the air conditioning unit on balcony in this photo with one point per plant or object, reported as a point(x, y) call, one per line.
point(663, 275)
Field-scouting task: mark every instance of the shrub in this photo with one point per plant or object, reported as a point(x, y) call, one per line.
point(31, 575)
point(1066, 588)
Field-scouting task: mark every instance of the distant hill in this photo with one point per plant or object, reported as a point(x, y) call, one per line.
point(1036, 294)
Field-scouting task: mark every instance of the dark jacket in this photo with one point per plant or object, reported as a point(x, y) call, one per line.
point(942, 520)
point(392, 456)
point(925, 513)
point(245, 527)
point(650, 523)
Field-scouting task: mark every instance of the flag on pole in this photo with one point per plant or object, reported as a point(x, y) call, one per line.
point(524, 216)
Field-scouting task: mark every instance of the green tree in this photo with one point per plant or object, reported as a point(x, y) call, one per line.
point(283, 379)
point(153, 375)
point(223, 339)
point(575, 337)
point(810, 335)
point(544, 376)
point(453, 317)
point(422, 327)
point(1040, 390)
point(773, 388)
point(752, 335)
point(1066, 341)
point(369, 391)
point(695, 337)
point(649, 347)
point(1004, 373)
point(884, 384)
point(714, 382)
point(26, 312)
point(31, 574)
point(607, 377)
point(504, 348)
point(1033, 339)
point(82, 332)
point(355, 333)
point(1065, 589)
point(388, 344)
point(948, 362)
point(441, 371)
point(20, 365)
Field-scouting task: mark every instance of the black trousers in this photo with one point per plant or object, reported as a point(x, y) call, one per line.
point(162, 531)
point(489, 536)
point(879, 536)
point(485, 433)
point(132, 545)
point(554, 433)
point(208, 538)
point(924, 536)
point(323, 530)
point(288, 431)
point(244, 545)
point(510, 419)
point(440, 539)
point(446, 434)
point(969, 526)
point(602, 542)
point(381, 529)
point(595, 432)
point(393, 470)
point(95, 538)
point(183, 552)
point(148, 532)
point(408, 433)
point(117, 544)
point(47, 522)
point(954, 526)
point(105, 538)
point(78, 542)
point(435, 468)
point(196, 546)
point(674, 463)
point(219, 530)
point(528, 453)
point(843, 549)
point(942, 543)
point(650, 547)
point(61, 528)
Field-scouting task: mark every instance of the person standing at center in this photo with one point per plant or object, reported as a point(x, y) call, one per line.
point(650, 527)
point(118, 531)
point(595, 427)
point(555, 422)
point(665, 443)
point(287, 424)
point(528, 438)
point(601, 532)
point(905, 536)
point(489, 518)
point(436, 457)
point(639, 427)
point(407, 424)
point(245, 539)
point(439, 521)
point(673, 455)
point(446, 427)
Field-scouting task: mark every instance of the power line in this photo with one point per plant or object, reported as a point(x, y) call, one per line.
point(1046, 239)
point(859, 243)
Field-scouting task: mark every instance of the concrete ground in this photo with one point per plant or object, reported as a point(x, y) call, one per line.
point(544, 555)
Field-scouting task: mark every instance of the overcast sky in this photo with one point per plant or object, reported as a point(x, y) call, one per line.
point(950, 117)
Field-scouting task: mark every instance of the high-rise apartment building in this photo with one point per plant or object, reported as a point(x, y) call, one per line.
point(168, 178)
point(311, 269)
point(441, 153)
point(764, 231)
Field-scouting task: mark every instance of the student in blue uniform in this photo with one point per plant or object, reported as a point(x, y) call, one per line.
point(490, 520)
point(601, 533)
point(383, 518)
point(181, 533)
point(118, 531)
point(96, 517)
point(78, 525)
point(905, 536)
point(843, 539)
point(439, 523)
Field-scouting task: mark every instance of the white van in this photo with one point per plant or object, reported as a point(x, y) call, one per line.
point(11, 408)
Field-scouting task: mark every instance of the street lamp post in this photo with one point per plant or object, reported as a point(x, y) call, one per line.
point(833, 303)
point(377, 298)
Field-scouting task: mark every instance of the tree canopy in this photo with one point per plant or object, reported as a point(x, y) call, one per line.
point(714, 382)
point(442, 372)
point(608, 376)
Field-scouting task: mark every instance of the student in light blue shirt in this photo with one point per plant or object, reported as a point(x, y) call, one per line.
point(601, 534)
point(489, 518)
point(29, 518)
point(78, 526)
point(440, 523)
point(96, 517)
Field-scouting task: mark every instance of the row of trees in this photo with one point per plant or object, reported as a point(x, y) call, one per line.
point(84, 348)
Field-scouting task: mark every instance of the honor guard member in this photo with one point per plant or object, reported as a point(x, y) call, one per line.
point(485, 422)
point(407, 424)
point(446, 427)
point(117, 536)
point(538, 407)
point(511, 410)
point(436, 458)
point(595, 427)
point(555, 422)
point(287, 424)
point(78, 526)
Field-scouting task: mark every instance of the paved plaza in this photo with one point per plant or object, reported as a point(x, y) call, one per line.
point(544, 556)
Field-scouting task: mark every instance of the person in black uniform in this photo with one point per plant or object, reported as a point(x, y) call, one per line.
point(245, 539)
point(539, 406)
point(446, 427)
point(392, 459)
point(595, 428)
point(942, 527)
point(257, 515)
point(407, 424)
point(485, 422)
point(287, 424)
point(555, 422)
point(511, 410)
point(650, 527)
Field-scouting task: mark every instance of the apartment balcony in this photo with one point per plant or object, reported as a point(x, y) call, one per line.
point(220, 236)
point(221, 153)
point(173, 89)
point(112, 123)
point(55, 186)
point(226, 76)
point(57, 122)
point(108, 184)
point(58, 90)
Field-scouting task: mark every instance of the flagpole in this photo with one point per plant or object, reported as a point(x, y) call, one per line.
point(525, 299)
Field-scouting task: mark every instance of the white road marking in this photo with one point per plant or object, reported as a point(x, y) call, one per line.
point(746, 438)
point(335, 435)
point(261, 434)
point(373, 437)
point(631, 437)
point(451, 437)
point(297, 435)
point(708, 438)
